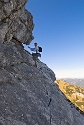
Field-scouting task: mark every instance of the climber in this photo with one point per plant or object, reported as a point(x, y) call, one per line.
point(36, 50)
point(35, 55)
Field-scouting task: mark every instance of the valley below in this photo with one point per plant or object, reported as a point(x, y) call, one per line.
point(73, 92)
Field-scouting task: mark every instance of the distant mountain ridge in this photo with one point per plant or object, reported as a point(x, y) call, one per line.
point(74, 81)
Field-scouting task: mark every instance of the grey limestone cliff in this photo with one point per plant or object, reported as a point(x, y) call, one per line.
point(28, 95)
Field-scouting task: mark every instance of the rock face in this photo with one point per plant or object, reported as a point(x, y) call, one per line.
point(28, 95)
point(15, 21)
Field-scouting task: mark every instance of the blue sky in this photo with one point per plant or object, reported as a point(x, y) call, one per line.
point(59, 29)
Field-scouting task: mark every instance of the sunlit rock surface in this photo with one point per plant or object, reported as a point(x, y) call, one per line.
point(15, 22)
point(28, 95)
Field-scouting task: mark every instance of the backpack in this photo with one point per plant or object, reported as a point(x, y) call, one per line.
point(39, 49)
